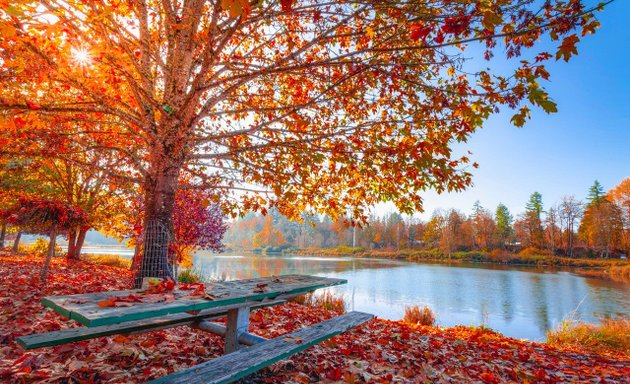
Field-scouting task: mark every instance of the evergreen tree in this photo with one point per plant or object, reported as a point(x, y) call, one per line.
point(503, 230)
point(532, 233)
point(595, 193)
point(535, 205)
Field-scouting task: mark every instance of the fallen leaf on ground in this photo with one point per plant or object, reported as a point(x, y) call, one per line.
point(365, 354)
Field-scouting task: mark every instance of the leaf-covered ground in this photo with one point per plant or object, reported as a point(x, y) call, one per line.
point(380, 351)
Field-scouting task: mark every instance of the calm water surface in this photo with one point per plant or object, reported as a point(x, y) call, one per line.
point(518, 302)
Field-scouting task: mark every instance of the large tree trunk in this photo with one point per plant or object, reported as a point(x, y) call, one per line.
point(160, 189)
point(16, 242)
point(72, 241)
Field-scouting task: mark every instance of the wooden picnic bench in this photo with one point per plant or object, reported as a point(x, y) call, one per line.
point(245, 353)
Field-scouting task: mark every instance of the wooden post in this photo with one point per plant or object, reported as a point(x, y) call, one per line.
point(237, 324)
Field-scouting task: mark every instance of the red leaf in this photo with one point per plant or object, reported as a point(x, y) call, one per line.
point(334, 374)
point(456, 25)
point(287, 5)
point(32, 105)
point(419, 31)
point(488, 377)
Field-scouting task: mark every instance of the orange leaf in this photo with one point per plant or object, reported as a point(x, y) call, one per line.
point(120, 339)
point(106, 303)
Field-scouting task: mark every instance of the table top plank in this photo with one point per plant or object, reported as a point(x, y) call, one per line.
point(84, 307)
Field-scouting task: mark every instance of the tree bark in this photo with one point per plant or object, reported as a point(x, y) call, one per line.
point(160, 189)
point(80, 241)
point(72, 240)
point(51, 253)
point(16, 242)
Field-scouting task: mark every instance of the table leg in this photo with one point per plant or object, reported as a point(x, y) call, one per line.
point(237, 324)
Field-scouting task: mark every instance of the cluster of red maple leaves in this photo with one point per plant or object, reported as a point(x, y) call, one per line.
point(39, 215)
point(379, 352)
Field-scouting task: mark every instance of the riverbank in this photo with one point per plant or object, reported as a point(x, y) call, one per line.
point(380, 351)
point(611, 269)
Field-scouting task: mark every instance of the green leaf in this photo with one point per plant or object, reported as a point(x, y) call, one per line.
point(548, 106)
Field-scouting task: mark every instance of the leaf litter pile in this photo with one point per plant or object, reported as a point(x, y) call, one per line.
point(378, 352)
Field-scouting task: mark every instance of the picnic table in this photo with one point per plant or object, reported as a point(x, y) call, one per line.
point(135, 311)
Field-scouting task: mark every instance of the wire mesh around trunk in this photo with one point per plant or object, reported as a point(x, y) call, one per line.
point(154, 260)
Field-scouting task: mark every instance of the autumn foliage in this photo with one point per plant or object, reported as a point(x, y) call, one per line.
point(334, 106)
point(40, 216)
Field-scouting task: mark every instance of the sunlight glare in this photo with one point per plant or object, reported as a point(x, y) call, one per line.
point(81, 56)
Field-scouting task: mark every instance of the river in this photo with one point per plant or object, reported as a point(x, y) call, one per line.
point(519, 302)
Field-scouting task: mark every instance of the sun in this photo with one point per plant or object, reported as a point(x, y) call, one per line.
point(81, 56)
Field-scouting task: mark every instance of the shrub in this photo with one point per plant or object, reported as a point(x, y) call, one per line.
point(189, 276)
point(499, 254)
point(415, 315)
point(345, 250)
point(327, 300)
point(612, 336)
point(40, 247)
point(533, 251)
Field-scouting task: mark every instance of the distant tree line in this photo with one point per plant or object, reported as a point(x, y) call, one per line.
point(598, 226)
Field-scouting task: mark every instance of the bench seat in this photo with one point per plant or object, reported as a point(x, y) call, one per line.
point(53, 338)
point(246, 361)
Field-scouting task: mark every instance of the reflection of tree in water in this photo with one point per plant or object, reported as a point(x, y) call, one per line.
point(539, 298)
point(605, 297)
point(506, 291)
point(243, 267)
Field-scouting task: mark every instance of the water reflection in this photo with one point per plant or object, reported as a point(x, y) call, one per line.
point(519, 302)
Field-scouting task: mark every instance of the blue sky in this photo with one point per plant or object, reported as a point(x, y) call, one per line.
point(562, 153)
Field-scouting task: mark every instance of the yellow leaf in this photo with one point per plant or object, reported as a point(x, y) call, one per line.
point(370, 32)
point(235, 8)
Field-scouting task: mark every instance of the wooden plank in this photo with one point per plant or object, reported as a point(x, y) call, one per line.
point(84, 309)
point(246, 361)
point(237, 324)
point(219, 329)
point(84, 333)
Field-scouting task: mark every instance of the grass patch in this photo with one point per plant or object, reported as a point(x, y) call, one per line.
point(419, 316)
point(613, 336)
point(326, 300)
point(190, 276)
point(110, 260)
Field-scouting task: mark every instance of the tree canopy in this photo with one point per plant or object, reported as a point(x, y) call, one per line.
point(331, 106)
